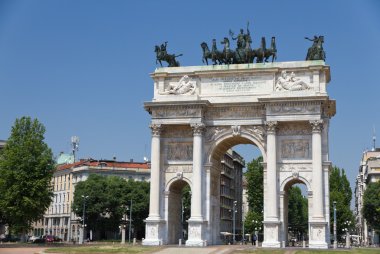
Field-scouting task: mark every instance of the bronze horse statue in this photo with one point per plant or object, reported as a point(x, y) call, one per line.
point(164, 56)
point(215, 55)
point(316, 52)
point(272, 51)
point(228, 54)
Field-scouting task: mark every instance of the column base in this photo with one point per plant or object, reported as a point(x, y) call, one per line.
point(318, 239)
point(271, 233)
point(197, 226)
point(196, 243)
point(315, 245)
point(154, 232)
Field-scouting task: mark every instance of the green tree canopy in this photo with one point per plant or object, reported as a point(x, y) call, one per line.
point(26, 169)
point(371, 205)
point(107, 201)
point(255, 178)
point(340, 191)
point(297, 210)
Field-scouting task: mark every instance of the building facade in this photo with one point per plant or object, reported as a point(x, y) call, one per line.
point(231, 192)
point(59, 219)
point(369, 171)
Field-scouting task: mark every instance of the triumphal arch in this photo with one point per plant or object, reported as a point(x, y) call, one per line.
point(199, 112)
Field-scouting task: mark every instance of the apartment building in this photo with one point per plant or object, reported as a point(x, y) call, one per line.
point(369, 171)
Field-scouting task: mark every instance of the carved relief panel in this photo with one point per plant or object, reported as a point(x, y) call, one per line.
point(295, 149)
point(235, 112)
point(179, 151)
point(177, 111)
point(177, 132)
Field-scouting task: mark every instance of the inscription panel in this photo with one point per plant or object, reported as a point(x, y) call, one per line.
point(237, 85)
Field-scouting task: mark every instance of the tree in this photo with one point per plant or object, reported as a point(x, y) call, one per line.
point(297, 211)
point(255, 180)
point(26, 169)
point(340, 191)
point(371, 205)
point(107, 201)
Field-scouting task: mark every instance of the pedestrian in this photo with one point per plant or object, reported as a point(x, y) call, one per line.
point(254, 238)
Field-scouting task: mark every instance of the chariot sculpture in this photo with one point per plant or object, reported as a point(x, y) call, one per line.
point(243, 52)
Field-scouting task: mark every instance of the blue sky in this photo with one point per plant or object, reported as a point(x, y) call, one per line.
point(82, 67)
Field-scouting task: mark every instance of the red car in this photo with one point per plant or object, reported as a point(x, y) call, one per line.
point(52, 238)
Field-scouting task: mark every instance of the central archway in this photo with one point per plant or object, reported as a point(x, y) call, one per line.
point(219, 140)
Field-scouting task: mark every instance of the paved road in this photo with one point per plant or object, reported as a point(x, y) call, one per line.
point(22, 250)
point(220, 249)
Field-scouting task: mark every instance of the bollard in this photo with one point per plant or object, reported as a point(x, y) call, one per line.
point(205, 243)
point(134, 241)
point(179, 242)
point(304, 244)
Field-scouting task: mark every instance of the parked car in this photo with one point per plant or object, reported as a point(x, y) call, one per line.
point(36, 239)
point(32, 238)
point(9, 238)
point(51, 238)
point(48, 238)
point(57, 239)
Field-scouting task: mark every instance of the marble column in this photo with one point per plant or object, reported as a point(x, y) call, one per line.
point(196, 202)
point(318, 224)
point(271, 219)
point(317, 169)
point(154, 228)
point(154, 201)
point(272, 213)
point(197, 220)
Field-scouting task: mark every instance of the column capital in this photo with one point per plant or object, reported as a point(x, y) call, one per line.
point(316, 125)
point(198, 128)
point(156, 129)
point(271, 127)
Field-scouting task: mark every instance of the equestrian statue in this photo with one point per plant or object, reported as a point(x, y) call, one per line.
point(316, 52)
point(162, 55)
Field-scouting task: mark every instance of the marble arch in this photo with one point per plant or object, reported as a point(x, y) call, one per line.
point(194, 122)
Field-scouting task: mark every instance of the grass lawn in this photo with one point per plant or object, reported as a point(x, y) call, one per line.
point(330, 251)
point(103, 249)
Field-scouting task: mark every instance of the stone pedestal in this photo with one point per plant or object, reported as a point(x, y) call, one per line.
point(271, 234)
point(317, 235)
point(122, 234)
point(196, 233)
point(154, 232)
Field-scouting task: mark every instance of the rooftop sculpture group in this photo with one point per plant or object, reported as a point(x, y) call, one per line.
point(243, 52)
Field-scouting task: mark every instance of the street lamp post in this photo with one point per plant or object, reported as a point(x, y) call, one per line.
point(335, 241)
point(242, 216)
point(233, 218)
point(256, 227)
point(347, 225)
point(123, 223)
point(83, 218)
point(130, 222)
